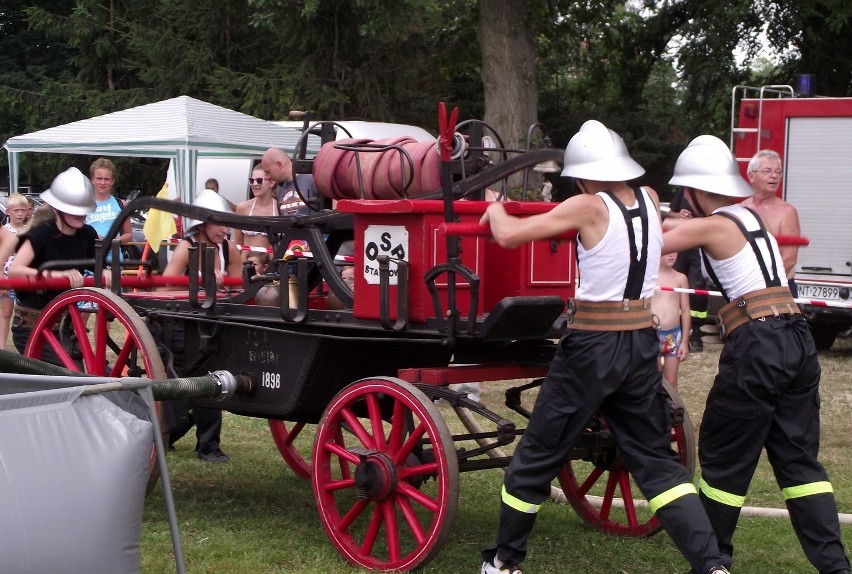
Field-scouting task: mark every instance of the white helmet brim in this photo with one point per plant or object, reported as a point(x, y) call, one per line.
point(71, 192)
point(597, 153)
point(707, 164)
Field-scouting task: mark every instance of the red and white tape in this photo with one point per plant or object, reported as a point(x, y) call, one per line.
point(814, 302)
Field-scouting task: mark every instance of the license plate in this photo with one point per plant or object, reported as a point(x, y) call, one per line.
point(819, 291)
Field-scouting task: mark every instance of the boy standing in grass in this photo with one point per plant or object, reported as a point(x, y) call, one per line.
point(672, 312)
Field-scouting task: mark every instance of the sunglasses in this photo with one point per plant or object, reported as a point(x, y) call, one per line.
point(257, 180)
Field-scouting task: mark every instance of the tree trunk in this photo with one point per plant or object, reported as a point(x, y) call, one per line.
point(509, 71)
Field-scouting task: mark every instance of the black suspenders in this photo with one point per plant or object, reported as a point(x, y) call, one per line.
point(751, 237)
point(638, 261)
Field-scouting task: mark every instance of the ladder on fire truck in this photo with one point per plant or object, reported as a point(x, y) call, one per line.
point(761, 94)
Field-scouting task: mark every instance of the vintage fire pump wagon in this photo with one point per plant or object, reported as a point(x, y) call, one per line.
point(813, 135)
point(434, 302)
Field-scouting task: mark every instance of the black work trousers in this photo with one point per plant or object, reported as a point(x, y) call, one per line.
point(766, 395)
point(614, 373)
point(180, 416)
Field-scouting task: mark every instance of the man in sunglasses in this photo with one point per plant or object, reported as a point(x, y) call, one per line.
point(780, 218)
point(295, 193)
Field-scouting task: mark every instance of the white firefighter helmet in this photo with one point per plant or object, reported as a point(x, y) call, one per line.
point(71, 192)
point(208, 199)
point(708, 165)
point(599, 154)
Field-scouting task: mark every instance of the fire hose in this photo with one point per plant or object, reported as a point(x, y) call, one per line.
point(35, 282)
point(217, 384)
point(477, 230)
point(558, 495)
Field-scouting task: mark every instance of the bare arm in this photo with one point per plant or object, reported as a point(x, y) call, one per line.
point(23, 259)
point(676, 218)
point(237, 236)
point(21, 263)
point(583, 213)
point(8, 243)
point(126, 227)
point(178, 263)
point(685, 319)
point(790, 227)
point(235, 262)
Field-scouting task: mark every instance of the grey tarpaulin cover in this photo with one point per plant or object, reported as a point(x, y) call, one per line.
point(72, 480)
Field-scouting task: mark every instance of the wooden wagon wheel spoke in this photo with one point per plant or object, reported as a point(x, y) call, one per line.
point(411, 519)
point(61, 334)
point(100, 344)
point(124, 355)
point(286, 440)
point(379, 442)
point(51, 341)
point(385, 475)
point(356, 427)
point(607, 476)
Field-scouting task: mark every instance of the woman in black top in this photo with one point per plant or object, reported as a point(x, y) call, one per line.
point(67, 237)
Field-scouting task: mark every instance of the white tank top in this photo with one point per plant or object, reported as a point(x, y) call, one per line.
point(604, 268)
point(741, 273)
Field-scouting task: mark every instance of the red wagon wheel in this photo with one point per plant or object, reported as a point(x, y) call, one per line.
point(118, 343)
point(286, 441)
point(603, 493)
point(386, 478)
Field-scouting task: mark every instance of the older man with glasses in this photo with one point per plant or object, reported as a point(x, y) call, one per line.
point(780, 218)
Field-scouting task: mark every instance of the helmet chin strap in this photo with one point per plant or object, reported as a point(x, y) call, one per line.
point(65, 223)
point(202, 233)
point(694, 201)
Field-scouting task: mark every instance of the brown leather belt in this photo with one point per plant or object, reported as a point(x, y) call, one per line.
point(24, 316)
point(626, 315)
point(772, 301)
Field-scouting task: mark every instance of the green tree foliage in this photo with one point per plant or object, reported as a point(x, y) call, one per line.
point(819, 31)
point(28, 60)
point(340, 59)
point(607, 61)
point(658, 72)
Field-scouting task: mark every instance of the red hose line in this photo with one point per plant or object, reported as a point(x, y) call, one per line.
point(476, 229)
point(32, 283)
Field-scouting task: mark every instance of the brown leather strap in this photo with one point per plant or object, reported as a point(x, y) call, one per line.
point(24, 316)
point(772, 301)
point(627, 315)
point(27, 312)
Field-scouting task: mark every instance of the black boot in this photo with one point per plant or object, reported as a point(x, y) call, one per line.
point(695, 343)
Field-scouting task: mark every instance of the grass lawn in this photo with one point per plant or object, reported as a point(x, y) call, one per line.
point(255, 515)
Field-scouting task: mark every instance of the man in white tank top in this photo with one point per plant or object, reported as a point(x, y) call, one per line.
point(766, 394)
point(607, 361)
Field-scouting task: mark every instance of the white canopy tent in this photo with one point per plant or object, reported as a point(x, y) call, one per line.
point(182, 129)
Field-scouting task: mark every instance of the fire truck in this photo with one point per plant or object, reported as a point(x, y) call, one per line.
point(813, 136)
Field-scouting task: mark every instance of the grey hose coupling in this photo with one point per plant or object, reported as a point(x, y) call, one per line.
point(227, 383)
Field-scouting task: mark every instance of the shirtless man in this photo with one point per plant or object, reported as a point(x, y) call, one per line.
point(263, 203)
point(279, 168)
point(780, 218)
